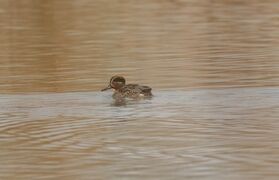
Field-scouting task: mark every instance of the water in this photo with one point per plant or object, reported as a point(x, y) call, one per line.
point(213, 67)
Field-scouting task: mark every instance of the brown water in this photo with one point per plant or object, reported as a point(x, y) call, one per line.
point(213, 66)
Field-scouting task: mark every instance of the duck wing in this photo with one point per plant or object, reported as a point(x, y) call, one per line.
point(145, 89)
point(132, 86)
point(130, 89)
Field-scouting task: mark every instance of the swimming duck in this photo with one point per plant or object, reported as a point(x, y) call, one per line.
point(123, 90)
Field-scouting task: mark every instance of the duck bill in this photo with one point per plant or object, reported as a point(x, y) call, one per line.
point(109, 87)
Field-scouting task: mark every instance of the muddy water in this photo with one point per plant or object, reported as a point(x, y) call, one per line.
point(213, 67)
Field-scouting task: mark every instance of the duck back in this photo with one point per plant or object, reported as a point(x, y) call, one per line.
point(135, 91)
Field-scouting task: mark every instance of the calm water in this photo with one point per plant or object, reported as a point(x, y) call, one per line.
point(213, 66)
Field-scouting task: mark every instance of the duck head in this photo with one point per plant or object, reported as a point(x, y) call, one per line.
point(116, 82)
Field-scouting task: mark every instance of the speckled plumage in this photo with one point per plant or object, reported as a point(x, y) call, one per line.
point(133, 91)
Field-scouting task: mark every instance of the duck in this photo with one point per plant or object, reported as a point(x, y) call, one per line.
point(123, 90)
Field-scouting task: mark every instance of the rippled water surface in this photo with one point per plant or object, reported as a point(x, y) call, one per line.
point(213, 67)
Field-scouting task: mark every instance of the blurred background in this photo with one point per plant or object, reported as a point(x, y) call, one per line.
point(213, 66)
point(77, 45)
